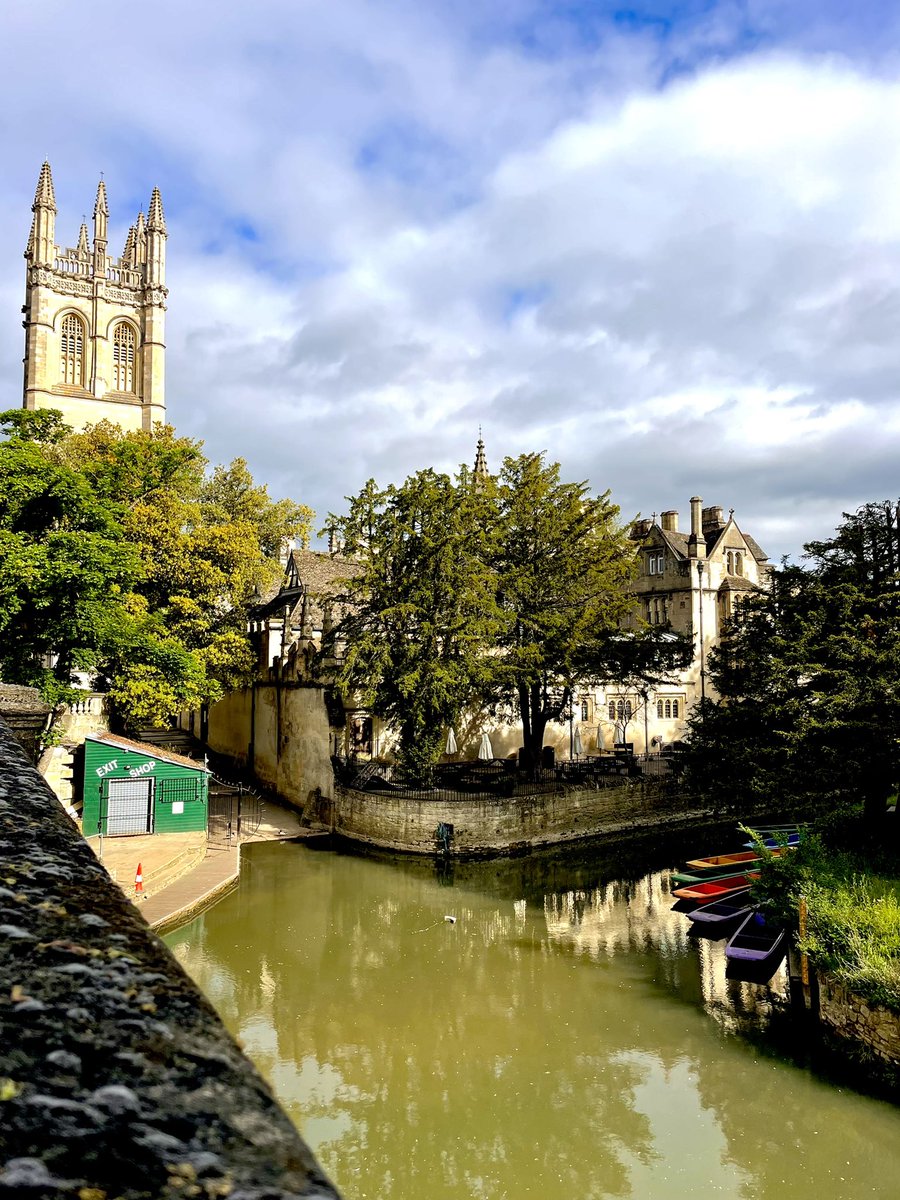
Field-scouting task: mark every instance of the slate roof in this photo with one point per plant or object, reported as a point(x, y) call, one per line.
point(169, 756)
point(315, 573)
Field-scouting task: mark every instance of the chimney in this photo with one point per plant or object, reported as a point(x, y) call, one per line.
point(696, 542)
point(640, 529)
point(670, 521)
point(713, 519)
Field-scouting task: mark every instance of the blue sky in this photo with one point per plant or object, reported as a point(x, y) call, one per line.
point(659, 241)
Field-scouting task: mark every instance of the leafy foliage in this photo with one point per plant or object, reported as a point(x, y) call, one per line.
point(807, 675)
point(486, 593)
point(119, 557)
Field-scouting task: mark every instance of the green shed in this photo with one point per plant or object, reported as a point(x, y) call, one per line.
point(132, 787)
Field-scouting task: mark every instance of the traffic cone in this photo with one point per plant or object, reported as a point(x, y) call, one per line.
point(138, 880)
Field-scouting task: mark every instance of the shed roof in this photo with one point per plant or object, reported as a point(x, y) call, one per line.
point(181, 760)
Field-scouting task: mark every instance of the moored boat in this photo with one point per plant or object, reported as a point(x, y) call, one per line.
point(759, 942)
point(776, 841)
point(715, 862)
point(734, 907)
point(715, 889)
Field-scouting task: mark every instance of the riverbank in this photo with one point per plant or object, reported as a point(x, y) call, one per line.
point(183, 875)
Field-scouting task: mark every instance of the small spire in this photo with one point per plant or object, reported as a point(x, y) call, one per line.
point(139, 226)
point(100, 204)
point(29, 249)
point(156, 220)
point(44, 196)
point(83, 239)
point(480, 470)
point(128, 252)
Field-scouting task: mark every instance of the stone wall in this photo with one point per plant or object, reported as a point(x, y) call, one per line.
point(25, 714)
point(850, 1017)
point(116, 1076)
point(279, 730)
point(494, 825)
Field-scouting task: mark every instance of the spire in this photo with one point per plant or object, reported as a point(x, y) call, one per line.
point(29, 249)
point(156, 220)
point(100, 204)
point(128, 252)
point(83, 239)
point(44, 196)
point(480, 470)
point(42, 243)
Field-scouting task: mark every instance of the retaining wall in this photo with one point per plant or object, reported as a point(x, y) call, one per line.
point(500, 825)
point(116, 1076)
point(850, 1017)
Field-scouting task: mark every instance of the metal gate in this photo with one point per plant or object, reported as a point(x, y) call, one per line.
point(128, 804)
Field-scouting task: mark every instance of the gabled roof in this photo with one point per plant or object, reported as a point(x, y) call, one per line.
point(169, 756)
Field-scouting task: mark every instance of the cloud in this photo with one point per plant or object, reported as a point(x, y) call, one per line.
point(666, 253)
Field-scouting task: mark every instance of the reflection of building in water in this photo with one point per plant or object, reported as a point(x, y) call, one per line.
point(618, 916)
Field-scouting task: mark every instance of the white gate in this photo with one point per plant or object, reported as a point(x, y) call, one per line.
point(129, 806)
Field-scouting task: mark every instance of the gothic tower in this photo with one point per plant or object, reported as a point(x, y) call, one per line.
point(95, 325)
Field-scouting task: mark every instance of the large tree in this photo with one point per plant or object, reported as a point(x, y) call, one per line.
point(496, 594)
point(162, 625)
point(808, 678)
point(420, 613)
point(564, 565)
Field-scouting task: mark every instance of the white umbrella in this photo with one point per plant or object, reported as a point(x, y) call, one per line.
point(451, 742)
point(579, 748)
point(485, 750)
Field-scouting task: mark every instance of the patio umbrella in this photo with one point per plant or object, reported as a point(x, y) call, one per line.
point(451, 742)
point(579, 748)
point(485, 750)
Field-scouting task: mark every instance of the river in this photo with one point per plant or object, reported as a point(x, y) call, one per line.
point(563, 1037)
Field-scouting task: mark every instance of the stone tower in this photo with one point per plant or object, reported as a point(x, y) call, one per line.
point(95, 325)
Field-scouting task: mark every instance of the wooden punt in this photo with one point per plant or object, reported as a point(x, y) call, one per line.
point(758, 942)
point(734, 907)
point(715, 889)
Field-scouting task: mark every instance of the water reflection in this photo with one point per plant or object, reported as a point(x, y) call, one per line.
point(555, 1041)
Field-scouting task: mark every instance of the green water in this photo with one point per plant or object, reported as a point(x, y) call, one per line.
point(563, 1039)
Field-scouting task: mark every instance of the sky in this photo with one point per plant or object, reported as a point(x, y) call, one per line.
point(658, 241)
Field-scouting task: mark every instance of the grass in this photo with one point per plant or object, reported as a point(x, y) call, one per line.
point(849, 874)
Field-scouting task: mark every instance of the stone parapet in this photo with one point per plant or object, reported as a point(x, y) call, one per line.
point(26, 715)
point(117, 1078)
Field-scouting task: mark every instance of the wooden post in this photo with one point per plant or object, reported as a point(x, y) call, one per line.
point(804, 961)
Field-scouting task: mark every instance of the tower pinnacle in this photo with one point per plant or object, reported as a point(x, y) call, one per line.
point(44, 196)
point(480, 470)
point(156, 220)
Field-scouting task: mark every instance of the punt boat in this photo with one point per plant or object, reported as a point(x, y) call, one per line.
point(715, 889)
point(734, 907)
point(758, 942)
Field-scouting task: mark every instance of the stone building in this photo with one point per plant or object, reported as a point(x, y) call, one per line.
point(94, 324)
point(691, 583)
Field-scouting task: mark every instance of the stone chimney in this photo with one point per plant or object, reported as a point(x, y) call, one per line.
point(713, 519)
point(696, 542)
point(640, 529)
point(670, 521)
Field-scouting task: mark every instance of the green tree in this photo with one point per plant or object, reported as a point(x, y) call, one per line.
point(564, 565)
point(807, 675)
point(151, 590)
point(64, 567)
point(420, 615)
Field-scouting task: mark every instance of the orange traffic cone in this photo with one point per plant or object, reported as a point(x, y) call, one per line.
point(138, 880)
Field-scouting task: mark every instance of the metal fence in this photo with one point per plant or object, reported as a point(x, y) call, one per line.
point(502, 778)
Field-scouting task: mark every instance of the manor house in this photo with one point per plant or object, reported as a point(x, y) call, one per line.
point(94, 324)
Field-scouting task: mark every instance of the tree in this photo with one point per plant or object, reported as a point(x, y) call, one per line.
point(809, 703)
point(484, 593)
point(564, 566)
point(420, 614)
point(150, 592)
point(64, 566)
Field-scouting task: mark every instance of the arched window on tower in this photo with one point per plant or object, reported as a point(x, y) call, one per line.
point(71, 350)
point(123, 358)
